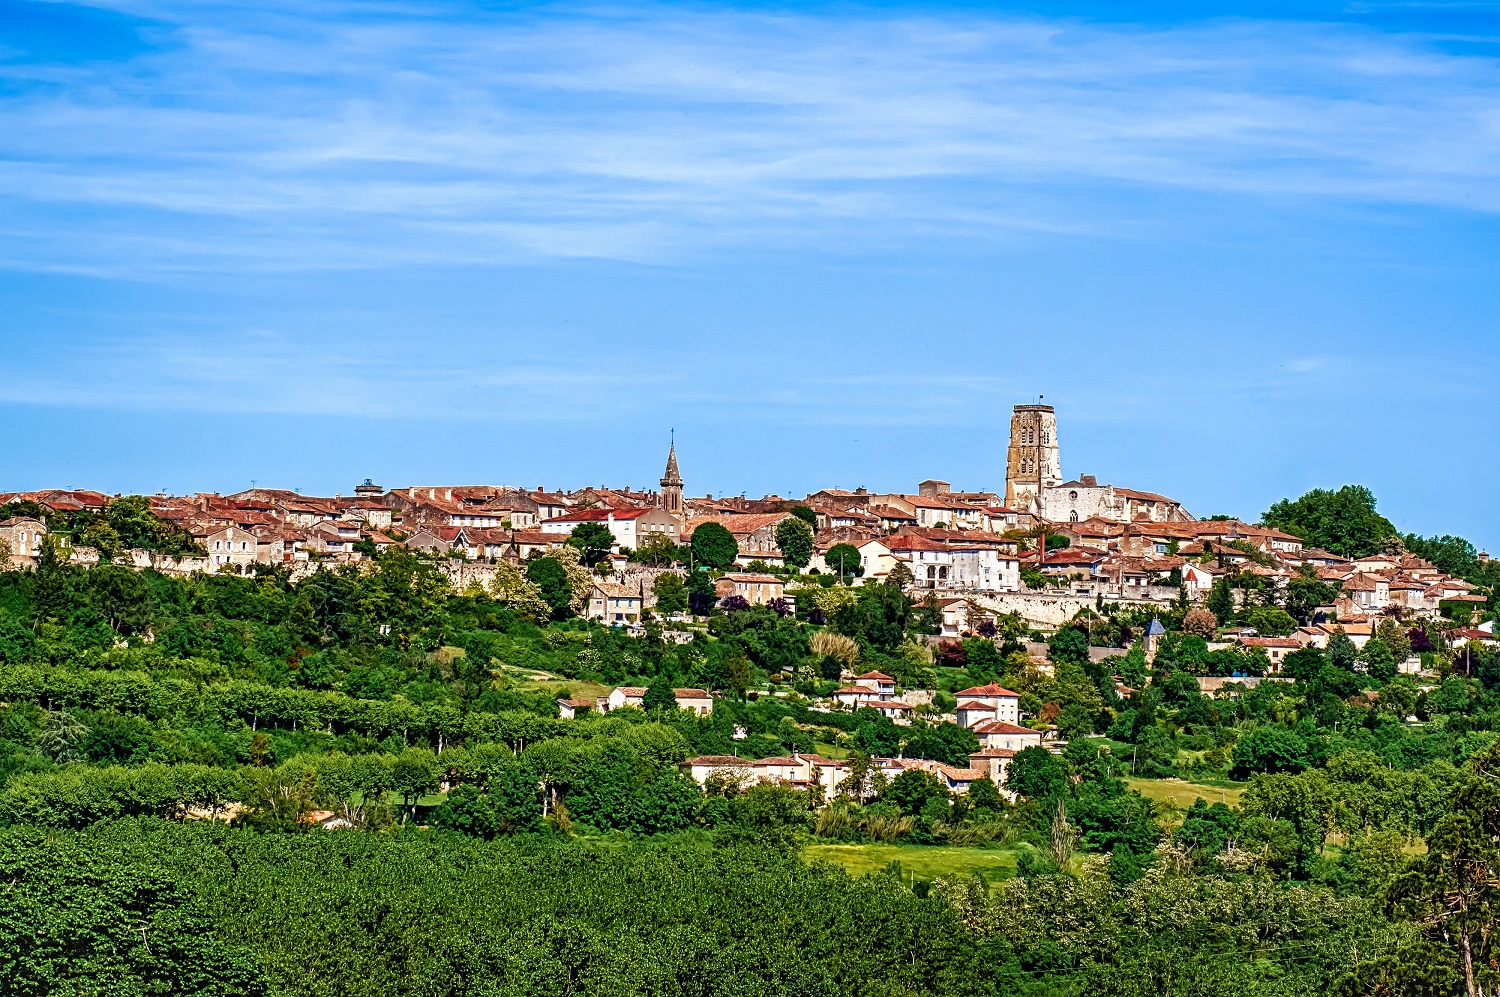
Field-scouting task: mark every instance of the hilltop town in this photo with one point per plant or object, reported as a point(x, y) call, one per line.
point(1048, 557)
point(1043, 549)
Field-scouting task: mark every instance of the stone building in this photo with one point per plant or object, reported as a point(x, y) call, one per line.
point(1084, 498)
point(670, 499)
point(1033, 461)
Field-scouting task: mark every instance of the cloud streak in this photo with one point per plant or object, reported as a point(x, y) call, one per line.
point(312, 135)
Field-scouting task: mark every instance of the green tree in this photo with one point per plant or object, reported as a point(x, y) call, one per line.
point(806, 514)
point(1341, 651)
point(552, 581)
point(1379, 661)
point(414, 775)
point(594, 541)
point(659, 696)
point(795, 539)
point(913, 790)
point(657, 550)
point(1305, 593)
point(1037, 773)
point(713, 545)
point(77, 916)
point(1344, 522)
point(737, 672)
point(467, 811)
point(1271, 621)
point(1270, 749)
point(671, 593)
point(1453, 890)
point(1069, 645)
point(1221, 600)
point(843, 560)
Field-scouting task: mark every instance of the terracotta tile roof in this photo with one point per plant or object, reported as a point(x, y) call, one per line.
point(738, 523)
point(1287, 642)
point(989, 689)
point(717, 760)
point(1001, 727)
point(599, 515)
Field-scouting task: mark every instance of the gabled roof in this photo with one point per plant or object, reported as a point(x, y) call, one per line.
point(988, 689)
point(598, 515)
point(1001, 727)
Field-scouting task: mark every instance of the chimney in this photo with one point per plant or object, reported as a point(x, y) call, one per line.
point(1088, 480)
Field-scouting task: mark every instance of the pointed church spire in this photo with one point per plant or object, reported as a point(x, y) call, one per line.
point(671, 482)
point(673, 476)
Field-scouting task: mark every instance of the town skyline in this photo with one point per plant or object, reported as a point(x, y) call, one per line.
point(1421, 520)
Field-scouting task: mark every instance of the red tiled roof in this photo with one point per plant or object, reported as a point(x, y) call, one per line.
point(1001, 727)
point(989, 689)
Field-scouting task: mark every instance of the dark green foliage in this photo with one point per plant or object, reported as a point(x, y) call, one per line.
point(593, 542)
point(1344, 522)
point(843, 559)
point(671, 593)
point(913, 790)
point(794, 537)
point(1221, 600)
point(1037, 773)
point(552, 580)
point(1071, 645)
point(948, 743)
point(1270, 749)
point(78, 918)
point(714, 546)
point(467, 811)
point(659, 696)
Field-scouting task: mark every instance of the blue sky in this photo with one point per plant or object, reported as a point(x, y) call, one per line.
point(1245, 249)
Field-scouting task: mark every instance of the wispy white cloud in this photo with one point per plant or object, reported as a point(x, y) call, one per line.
point(323, 135)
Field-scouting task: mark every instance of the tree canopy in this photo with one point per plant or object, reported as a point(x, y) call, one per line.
point(713, 545)
point(1343, 522)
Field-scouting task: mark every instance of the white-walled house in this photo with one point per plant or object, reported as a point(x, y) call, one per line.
point(992, 701)
point(997, 734)
point(630, 527)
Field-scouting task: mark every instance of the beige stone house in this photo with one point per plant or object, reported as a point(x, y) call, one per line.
point(23, 536)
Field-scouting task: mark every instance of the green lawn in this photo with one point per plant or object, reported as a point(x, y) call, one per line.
point(829, 751)
point(923, 862)
point(1181, 794)
point(579, 689)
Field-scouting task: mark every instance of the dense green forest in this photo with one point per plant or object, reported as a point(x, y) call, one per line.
point(171, 747)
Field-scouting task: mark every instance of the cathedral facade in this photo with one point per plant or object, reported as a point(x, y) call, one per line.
point(1034, 483)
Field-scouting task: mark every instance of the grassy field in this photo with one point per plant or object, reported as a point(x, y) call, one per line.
point(1182, 794)
point(925, 863)
point(829, 751)
point(578, 688)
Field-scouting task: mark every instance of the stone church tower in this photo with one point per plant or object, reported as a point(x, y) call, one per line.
point(671, 485)
point(1033, 462)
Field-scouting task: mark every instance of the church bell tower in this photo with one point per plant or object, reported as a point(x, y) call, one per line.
point(671, 484)
point(1033, 461)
